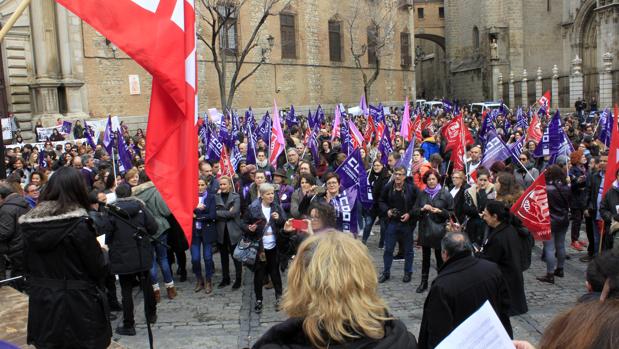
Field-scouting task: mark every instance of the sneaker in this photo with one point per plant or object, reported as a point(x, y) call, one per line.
point(125, 331)
point(277, 301)
point(258, 307)
point(398, 257)
point(577, 246)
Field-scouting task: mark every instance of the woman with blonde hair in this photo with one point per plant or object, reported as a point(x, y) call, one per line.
point(335, 309)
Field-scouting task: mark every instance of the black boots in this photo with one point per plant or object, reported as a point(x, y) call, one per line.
point(559, 272)
point(424, 284)
point(549, 278)
point(407, 277)
point(383, 277)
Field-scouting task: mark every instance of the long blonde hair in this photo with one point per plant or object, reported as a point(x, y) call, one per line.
point(332, 285)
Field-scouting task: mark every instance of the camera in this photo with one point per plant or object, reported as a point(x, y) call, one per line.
point(396, 214)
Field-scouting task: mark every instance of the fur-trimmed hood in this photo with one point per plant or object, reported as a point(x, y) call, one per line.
point(47, 211)
point(137, 190)
point(44, 227)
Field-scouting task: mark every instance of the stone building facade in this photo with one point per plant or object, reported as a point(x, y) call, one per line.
point(513, 49)
point(430, 65)
point(55, 65)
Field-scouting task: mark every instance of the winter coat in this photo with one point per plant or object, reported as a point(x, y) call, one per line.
point(501, 247)
point(608, 207)
point(254, 214)
point(387, 198)
point(474, 204)
point(129, 255)
point(154, 204)
point(228, 217)
point(463, 284)
point(64, 265)
point(433, 226)
point(594, 182)
point(11, 241)
point(430, 147)
point(579, 190)
point(459, 203)
point(284, 196)
point(559, 196)
point(205, 220)
point(289, 334)
point(523, 178)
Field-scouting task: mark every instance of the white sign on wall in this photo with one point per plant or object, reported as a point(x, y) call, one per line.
point(6, 129)
point(134, 85)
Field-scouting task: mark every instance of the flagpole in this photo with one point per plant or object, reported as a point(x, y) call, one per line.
point(114, 164)
point(446, 172)
point(597, 125)
point(14, 17)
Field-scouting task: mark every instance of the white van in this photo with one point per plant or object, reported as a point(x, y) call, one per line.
point(482, 106)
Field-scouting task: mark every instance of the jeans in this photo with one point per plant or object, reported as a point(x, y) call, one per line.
point(271, 268)
point(197, 244)
point(556, 243)
point(395, 231)
point(425, 261)
point(127, 283)
point(161, 258)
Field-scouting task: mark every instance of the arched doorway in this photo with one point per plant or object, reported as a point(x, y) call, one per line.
point(589, 54)
point(430, 67)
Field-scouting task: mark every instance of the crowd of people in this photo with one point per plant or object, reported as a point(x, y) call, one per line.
point(288, 213)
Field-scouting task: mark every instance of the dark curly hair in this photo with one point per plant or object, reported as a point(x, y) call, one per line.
point(428, 174)
point(326, 213)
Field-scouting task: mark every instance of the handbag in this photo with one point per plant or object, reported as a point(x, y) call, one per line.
point(246, 251)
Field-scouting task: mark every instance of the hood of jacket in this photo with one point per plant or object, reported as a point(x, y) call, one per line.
point(45, 226)
point(131, 205)
point(15, 199)
point(144, 190)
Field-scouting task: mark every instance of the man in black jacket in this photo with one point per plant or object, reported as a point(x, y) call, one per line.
point(595, 184)
point(396, 202)
point(12, 205)
point(131, 254)
point(464, 283)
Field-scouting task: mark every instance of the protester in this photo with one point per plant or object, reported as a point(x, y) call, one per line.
point(596, 180)
point(12, 206)
point(432, 209)
point(502, 247)
point(419, 168)
point(324, 314)
point(159, 210)
point(377, 179)
point(263, 221)
point(204, 234)
point(559, 198)
point(578, 184)
point(475, 199)
point(228, 209)
point(131, 255)
point(463, 284)
point(64, 264)
point(610, 213)
point(527, 174)
point(457, 191)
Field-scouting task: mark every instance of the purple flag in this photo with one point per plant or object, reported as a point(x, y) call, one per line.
point(213, 149)
point(42, 160)
point(319, 117)
point(364, 106)
point(487, 125)
point(66, 127)
point(521, 120)
point(235, 157)
point(251, 148)
point(408, 157)
point(516, 148)
point(344, 205)
point(224, 135)
point(264, 130)
point(250, 121)
point(377, 113)
point(447, 106)
point(206, 141)
point(312, 144)
point(291, 118)
point(384, 146)
point(345, 137)
point(565, 148)
point(88, 133)
point(124, 156)
point(108, 140)
point(606, 126)
point(495, 150)
point(352, 173)
point(552, 138)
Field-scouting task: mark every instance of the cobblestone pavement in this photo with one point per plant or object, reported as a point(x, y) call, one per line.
point(225, 319)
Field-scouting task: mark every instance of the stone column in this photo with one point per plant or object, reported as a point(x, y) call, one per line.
point(538, 83)
point(524, 89)
point(500, 86)
point(70, 82)
point(512, 99)
point(576, 81)
point(411, 30)
point(606, 81)
point(47, 69)
point(555, 87)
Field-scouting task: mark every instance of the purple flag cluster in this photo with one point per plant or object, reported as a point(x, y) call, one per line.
point(496, 150)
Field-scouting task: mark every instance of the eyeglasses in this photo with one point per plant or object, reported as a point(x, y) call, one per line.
point(332, 183)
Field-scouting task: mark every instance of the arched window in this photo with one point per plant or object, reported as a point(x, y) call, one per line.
point(475, 37)
point(335, 40)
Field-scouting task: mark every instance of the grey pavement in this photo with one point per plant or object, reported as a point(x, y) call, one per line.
point(225, 319)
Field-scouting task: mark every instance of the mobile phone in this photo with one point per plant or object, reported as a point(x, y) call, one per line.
point(299, 224)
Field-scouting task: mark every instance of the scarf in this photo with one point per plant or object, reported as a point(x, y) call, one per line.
point(433, 192)
point(417, 165)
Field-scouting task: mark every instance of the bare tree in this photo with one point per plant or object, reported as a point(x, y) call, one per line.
point(381, 23)
point(219, 18)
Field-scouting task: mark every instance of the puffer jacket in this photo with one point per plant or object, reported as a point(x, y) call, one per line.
point(10, 233)
point(64, 267)
point(154, 204)
point(559, 196)
point(130, 253)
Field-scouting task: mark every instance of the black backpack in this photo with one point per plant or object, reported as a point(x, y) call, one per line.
point(526, 246)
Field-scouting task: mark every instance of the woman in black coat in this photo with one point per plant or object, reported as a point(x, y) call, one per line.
point(457, 191)
point(65, 268)
point(378, 177)
point(432, 209)
point(204, 234)
point(475, 199)
point(502, 248)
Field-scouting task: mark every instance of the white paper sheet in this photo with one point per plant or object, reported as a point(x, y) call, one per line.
point(481, 330)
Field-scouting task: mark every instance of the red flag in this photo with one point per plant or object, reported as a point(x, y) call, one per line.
point(544, 101)
point(369, 130)
point(452, 133)
point(417, 128)
point(225, 164)
point(167, 52)
point(427, 123)
point(532, 209)
point(535, 130)
point(613, 155)
point(457, 156)
point(278, 143)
